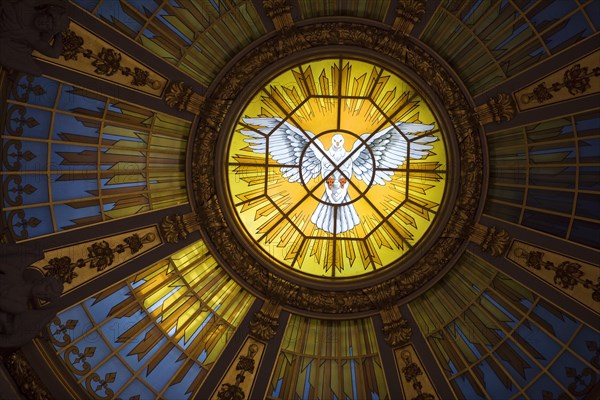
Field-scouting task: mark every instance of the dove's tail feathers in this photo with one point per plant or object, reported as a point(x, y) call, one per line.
point(335, 219)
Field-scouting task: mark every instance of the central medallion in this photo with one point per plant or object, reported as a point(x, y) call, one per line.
point(336, 168)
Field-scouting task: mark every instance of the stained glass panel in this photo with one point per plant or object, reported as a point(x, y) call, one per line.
point(493, 40)
point(73, 157)
point(337, 168)
point(197, 37)
point(328, 360)
point(156, 334)
point(498, 337)
point(544, 176)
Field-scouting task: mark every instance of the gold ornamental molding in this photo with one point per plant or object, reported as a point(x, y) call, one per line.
point(86, 53)
point(396, 330)
point(408, 14)
point(182, 97)
point(416, 383)
point(497, 109)
point(492, 240)
point(265, 324)
point(451, 237)
point(575, 278)
point(175, 228)
point(241, 375)
point(580, 78)
point(80, 263)
point(280, 12)
point(27, 380)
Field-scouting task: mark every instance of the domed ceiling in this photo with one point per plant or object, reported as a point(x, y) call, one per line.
point(294, 199)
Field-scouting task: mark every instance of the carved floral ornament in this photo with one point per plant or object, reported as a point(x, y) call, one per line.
point(451, 237)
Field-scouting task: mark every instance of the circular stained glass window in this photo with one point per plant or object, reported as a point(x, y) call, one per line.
point(336, 168)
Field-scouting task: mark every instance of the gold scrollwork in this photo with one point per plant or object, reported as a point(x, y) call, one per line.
point(93, 384)
point(80, 358)
point(61, 330)
point(107, 61)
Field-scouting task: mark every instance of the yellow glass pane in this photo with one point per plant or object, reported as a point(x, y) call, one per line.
point(337, 168)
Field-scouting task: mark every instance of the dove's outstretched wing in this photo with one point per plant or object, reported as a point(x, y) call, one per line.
point(285, 143)
point(388, 148)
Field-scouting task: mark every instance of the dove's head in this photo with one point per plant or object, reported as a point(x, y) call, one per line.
point(337, 141)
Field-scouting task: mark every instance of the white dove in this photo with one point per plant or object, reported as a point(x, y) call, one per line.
point(303, 157)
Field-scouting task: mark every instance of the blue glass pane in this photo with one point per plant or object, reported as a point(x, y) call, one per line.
point(589, 178)
point(588, 124)
point(567, 33)
point(165, 370)
point(508, 171)
point(150, 35)
point(277, 389)
point(539, 341)
point(587, 205)
point(589, 150)
point(69, 128)
point(559, 176)
point(78, 100)
point(493, 383)
point(112, 11)
point(503, 211)
point(180, 390)
point(146, 7)
point(557, 153)
point(72, 214)
point(571, 373)
point(551, 200)
point(548, 12)
point(67, 186)
point(512, 195)
point(509, 319)
point(593, 12)
point(543, 387)
point(557, 323)
point(136, 358)
point(137, 388)
point(587, 344)
point(524, 4)
point(163, 17)
point(185, 344)
point(99, 309)
point(116, 327)
point(585, 232)
point(518, 34)
point(87, 4)
point(467, 387)
point(553, 224)
point(517, 363)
